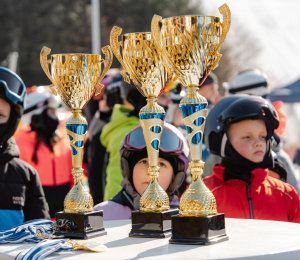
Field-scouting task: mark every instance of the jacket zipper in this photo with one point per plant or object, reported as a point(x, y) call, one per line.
point(53, 166)
point(250, 204)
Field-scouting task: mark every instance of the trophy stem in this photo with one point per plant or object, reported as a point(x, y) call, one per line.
point(197, 200)
point(78, 200)
point(154, 198)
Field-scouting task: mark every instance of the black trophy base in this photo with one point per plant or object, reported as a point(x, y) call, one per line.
point(80, 225)
point(152, 224)
point(198, 230)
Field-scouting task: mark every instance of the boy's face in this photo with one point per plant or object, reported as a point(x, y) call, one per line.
point(141, 178)
point(4, 111)
point(248, 138)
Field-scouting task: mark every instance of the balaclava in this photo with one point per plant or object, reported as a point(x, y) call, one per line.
point(45, 127)
point(238, 167)
point(178, 177)
point(43, 124)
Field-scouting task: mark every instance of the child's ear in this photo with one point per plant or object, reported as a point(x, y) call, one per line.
point(178, 180)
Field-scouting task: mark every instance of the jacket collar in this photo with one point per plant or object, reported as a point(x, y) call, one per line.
point(123, 198)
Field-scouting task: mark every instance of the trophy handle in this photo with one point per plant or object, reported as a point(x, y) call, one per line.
point(155, 31)
point(225, 11)
point(107, 63)
point(115, 45)
point(45, 65)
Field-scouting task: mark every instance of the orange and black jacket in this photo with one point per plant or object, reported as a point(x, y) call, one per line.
point(54, 168)
point(262, 198)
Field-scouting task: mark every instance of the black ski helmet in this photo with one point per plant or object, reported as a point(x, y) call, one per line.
point(233, 109)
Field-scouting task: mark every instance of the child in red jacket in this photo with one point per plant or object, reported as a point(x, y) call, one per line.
point(240, 129)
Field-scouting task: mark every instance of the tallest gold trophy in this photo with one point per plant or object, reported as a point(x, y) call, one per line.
point(190, 47)
point(75, 78)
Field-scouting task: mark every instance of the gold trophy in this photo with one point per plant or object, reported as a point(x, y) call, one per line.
point(190, 47)
point(75, 78)
point(143, 62)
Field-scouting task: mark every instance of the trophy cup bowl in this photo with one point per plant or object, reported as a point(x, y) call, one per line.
point(75, 78)
point(143, 62)
point(190, 48)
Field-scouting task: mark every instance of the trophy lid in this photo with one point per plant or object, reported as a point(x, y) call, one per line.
point(193, 18)
point(137, 36)
point(74, 54)
point(82, 56)
point(132, 34)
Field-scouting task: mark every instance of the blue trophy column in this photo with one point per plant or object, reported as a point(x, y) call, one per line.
point(152, 124)
point(76, 133)
point(194, 116)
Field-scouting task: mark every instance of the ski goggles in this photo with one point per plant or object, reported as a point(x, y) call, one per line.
point(170, 142)
point(14, 87)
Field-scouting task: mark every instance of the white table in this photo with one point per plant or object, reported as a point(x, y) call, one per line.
point(248, 239)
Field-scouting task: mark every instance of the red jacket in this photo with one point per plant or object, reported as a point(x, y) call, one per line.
point(265, 198)
point(53, 168)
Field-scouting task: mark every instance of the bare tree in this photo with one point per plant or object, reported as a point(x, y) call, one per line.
point(238, 51)
point(65, 27)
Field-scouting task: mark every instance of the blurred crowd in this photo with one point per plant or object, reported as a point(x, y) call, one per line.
point(246, 166)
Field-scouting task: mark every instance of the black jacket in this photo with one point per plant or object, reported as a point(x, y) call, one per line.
point(21, 191)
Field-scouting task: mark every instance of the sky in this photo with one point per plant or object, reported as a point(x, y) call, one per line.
point(275, 26)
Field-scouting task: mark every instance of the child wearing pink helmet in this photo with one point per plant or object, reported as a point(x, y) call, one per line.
point(173, 178)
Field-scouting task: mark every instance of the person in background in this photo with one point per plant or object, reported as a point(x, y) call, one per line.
point(173, 114)
point(92, 106)
point(21, 194)
point(254, 82)
point(239, 128)
point(123, 119)
point(46, 149)
point(209, 89)
point(173, 162)
point(95, 150)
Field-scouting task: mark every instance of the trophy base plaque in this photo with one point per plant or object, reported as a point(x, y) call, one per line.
point(80, 225)
point(152, 224)
point(198, 230)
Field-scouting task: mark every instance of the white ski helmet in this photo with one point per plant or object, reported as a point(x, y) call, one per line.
point(252, 82)
point(36, 103)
